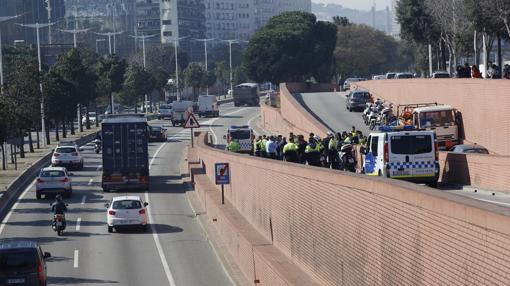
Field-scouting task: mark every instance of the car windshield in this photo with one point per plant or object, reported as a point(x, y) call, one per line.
point(361, 95)
point(156, 128)
point(436, 118)
point(240, 134)
point(411, 144)
point(405, 76)
point(165, 106)
point(17, 262)
point(65, 150)
point(127, 205)
point(92, 114)
point(53, 174)
point(441, 75)
point(477, 151)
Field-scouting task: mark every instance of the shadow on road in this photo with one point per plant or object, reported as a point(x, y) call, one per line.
point(159, 228)
point(39, 240)
point(73, 280)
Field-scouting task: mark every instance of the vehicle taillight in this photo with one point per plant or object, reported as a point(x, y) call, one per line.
point(65, 180)
point(56, 154)
point(110, 212)
point(39, 180)
point(142, 211)
point(74, 154)
point(386, 153)
point(40, 274)
point(143, 179)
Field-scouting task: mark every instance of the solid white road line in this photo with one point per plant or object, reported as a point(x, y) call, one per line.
point(99, 167)
point(211, 122)
point(76, 257)
point(8, 216)
point(90, 182)
point(251, 121)
point(83, 199)
point(161, 253)
point(78, 221)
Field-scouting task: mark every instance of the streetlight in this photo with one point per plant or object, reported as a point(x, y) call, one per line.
point(176, 42)
point(205, 52)
point(143, 37)
point(3, 19)
point(109, 35)
point(230, 42)
point(37, 27)
point(99, 40)
point(74, 32)
point(48, 7)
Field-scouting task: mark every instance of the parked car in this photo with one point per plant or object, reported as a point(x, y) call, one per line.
point(358, 99)
point(441, 74)
point(126, 211)
point(349, 81)
point(54, 181)
point(404, 75)
point(391, 75)
point(379, 77)
point(67, 155)
point(22, 263)
point(469, 148)
point(157, 133)
point(92, 118)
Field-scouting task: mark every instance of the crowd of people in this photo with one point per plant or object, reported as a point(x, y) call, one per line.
point(493, 71)
point(314, 151)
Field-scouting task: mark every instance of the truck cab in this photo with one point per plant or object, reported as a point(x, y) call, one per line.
point(180, 112)
point(403, 153)
point(246, 94)
point(244, 135)
point(442, 119)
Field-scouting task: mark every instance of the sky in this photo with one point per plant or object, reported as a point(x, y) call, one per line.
point(358, 4)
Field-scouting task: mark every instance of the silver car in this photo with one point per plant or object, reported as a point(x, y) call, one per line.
point(54, 181)
point(358, 99)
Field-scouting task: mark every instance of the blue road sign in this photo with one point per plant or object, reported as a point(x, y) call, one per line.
point(222, 173)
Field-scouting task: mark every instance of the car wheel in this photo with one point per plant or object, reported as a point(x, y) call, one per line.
point(433, 185)
point(38, 195)
point(145, 228)
point(81, 166)
point(110, 229)
point(350, 109)
point(106, 190)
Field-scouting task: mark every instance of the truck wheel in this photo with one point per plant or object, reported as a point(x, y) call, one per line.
point(38, 195)
point(110, 229)
point(236, 104)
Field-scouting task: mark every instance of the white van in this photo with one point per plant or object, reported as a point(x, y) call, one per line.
point(208, 106)
point(165, 111)
point(402, 153)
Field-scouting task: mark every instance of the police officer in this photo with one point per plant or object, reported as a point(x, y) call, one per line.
point(256, 146)
point(333, 152)
point(312, 153)
point(234, 146)
point(290, 151)
point(263, 147)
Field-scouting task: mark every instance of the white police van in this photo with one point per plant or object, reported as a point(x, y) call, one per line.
point(403, 153)
point(244, 135)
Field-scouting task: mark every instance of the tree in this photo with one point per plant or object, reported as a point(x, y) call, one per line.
point(363, 51)
point(417, 24)
point(290, 47)
point(222, 75)
point(194, 76)
point(111, 72)
point(341, 21)
point(137, 83)
point(59, 99)
point(503, 12)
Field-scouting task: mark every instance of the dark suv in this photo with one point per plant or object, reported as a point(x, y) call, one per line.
point(22, 263)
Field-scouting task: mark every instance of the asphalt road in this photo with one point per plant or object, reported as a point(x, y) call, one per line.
point(329, 108)
point(174, 251)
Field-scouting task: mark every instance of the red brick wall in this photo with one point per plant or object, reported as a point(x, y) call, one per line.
point(346, 229)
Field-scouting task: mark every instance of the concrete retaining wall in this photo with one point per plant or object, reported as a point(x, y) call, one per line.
point(347, 229)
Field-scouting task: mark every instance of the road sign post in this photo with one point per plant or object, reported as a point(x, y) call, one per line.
point(191, 122)
point(222, 172)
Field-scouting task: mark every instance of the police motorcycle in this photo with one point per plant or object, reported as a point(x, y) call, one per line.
point(374, 112)
point(366, 112)
point(347, 160)
point(383, 117)
point(97, 146)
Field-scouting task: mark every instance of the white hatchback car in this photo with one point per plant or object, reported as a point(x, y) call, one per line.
point(126, 211)
point(54, 181)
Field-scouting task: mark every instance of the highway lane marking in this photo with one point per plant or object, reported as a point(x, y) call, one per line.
point(99, 167)
point(90, 182)
point(8, 216)
point(162, 256)
point(76, 257)
point(211, 122)
point(83, 199)
point(251, 121)
point(78, 221)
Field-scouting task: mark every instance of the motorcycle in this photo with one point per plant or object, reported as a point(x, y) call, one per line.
point(366, 112)
point(97, 146)
point(59, 224)
point(347, 160)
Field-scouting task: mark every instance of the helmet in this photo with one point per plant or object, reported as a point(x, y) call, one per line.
point(58, 197)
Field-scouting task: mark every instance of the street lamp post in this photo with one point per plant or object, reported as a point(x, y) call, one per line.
point(37, 27)
point(205, 53)
point(176, 42)
point(230, 42)
point(109, 35)
point(143, 37)
point(99, 40)
point(75, 45)
point(48, 2)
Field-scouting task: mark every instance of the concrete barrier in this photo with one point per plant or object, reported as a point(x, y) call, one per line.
point(348, 229)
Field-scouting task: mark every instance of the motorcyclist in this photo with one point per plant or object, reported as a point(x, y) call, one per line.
point(59, 207)
point(98, 136)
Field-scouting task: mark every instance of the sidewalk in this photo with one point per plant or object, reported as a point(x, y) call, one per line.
point(9, 175)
